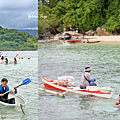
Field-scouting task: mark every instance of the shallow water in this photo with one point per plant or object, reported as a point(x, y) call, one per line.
point(57, 60)
point(26, 68)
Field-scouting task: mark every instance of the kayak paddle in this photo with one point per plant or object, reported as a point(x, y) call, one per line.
point(25, 82)
point(16, 55)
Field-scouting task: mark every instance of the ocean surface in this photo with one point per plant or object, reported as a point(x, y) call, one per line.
point(55, 60)
point(16, 73)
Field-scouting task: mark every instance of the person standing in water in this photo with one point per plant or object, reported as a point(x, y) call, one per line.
point(117, 104)
point(6, 61)
point(15, 61)
point(86, 79)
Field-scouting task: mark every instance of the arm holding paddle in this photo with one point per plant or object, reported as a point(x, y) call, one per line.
point(14, 91)
point(25, 82)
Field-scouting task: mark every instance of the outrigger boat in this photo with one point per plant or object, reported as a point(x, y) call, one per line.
point(69, 37)
point(90, 90)
point(19, 101)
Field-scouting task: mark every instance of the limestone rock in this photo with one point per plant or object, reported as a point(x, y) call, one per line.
point(102, 32)
point(90, 33)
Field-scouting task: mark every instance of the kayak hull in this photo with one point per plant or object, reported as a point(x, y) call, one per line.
point(97, 93)
point(19, 101)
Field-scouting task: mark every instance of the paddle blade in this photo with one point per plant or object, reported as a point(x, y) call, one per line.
point(16, 55)
point(26, 81)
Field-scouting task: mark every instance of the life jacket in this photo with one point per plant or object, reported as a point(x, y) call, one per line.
point(2, 89)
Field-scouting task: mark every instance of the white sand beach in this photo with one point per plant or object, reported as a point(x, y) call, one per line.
point(114, 38)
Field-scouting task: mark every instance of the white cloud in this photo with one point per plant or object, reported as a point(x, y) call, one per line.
point(14, 13)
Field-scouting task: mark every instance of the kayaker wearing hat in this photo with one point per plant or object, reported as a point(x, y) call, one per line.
point(86, 79)
point(4, 88)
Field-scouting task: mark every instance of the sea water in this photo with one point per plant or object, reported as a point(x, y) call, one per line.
point(57, 60)
point(16, 73)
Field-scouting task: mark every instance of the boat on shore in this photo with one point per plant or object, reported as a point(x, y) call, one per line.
point(92, 91)
point(19, 101)
point(93, 41)
point(69, 37)
point(47, 41)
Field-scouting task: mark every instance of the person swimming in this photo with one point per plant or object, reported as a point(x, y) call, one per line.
point(15, 61)
point(2, 57)
point(117, 104)
point(6, 61)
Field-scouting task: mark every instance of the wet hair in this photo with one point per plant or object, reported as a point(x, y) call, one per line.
point(15, 59)
point(6, 59)
point(4, 79)
point(2, 57)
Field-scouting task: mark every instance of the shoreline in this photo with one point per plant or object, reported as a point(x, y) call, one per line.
point(114, 38)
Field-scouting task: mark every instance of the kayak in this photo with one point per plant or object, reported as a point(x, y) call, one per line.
point(19, 101)
point(92, 91)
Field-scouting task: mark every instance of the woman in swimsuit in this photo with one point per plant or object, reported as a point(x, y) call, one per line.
point(15, 61)
point(117, 104)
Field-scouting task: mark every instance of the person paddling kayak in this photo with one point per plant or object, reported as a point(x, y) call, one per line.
point(86, 79)
point(4, 88)
point(117, 104)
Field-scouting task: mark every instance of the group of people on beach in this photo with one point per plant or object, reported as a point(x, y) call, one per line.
point(87, 80)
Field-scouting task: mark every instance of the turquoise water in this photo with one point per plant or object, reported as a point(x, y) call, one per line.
point(57, 60)
point(26, 68)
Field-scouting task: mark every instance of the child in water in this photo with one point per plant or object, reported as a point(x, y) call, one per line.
point(117, 104)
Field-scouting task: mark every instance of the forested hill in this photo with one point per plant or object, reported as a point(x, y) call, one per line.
point(12, 39)
point(82, 14)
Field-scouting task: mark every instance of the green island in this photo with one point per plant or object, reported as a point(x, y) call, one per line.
point(13, 40)
point(84, 15)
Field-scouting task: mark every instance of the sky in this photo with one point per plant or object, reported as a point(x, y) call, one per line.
point(19, 14)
